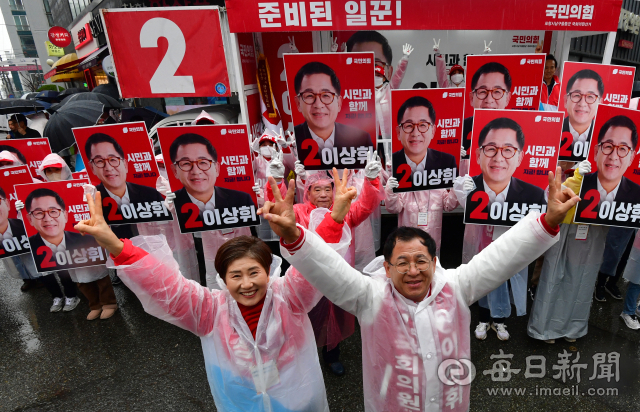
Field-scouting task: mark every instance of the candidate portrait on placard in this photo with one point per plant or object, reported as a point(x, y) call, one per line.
point(417, 121)
point(318, 98)
point(194, 162)
point(499, 152)
point(614, 153)
point(582, 94)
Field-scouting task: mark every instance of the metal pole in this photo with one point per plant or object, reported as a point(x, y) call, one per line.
point(608, 48)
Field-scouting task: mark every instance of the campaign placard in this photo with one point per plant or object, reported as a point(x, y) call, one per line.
point(210, 172)
point(584, 87)
point(332, 100)
point(507, 81)
point(14, 237)
point(427, 138)
point(81, 175)
point(512, 154)
point(611, 192)
point(51, 209)
point(29, 152)
point(121, 164)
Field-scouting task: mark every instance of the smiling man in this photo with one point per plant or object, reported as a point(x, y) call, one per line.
point(617, 142)
point(319, 101)
point(582, 96)
point(109, 163)
point(499, 152)
point(490, 89)
point(194, 161)
point(416, 127)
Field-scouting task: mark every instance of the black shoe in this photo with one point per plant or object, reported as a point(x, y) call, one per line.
point(613, 290)
point(599, 294)
point(27, 285)
point(336, 368)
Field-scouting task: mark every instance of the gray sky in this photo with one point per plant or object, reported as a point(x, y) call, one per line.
point(5, 43)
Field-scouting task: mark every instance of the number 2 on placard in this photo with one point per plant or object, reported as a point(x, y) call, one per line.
point(164, 79)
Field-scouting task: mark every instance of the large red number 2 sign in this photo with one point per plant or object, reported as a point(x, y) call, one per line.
point(168, 51)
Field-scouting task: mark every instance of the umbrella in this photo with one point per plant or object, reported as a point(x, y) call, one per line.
point(109, 102)
point(108, 89)
point(72, 90)
point(149, 115)
point(73, 114)
point(47, 95)
point(9, 106)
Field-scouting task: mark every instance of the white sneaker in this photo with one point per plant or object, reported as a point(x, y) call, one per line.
point(57, 305)
point(550, 341)
point(481, 330)
point(70, 304)
point(631, 321)
point(638, 311)
point(501, 330)
point(569, 340)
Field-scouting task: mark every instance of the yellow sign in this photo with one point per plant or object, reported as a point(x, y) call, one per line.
point(53, 50)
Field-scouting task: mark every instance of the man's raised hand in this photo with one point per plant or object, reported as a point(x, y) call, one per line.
point(343, 197)
point(561, 200)
point(280, 214)
point(97, 227)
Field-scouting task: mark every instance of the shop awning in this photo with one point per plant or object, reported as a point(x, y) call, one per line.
point(94, 58)
point(66, 68)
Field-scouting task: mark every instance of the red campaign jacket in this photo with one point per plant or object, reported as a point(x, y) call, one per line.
point(554, 98)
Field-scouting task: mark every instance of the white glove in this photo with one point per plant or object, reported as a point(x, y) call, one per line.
point(436, 45)
point(255, 145)
point(389, 165)
point(162, 186)
point(343, 47)
point(486, 47)
point(292, 45)
point(90, 189)
point(19, 205)
point(257, 190)
point(392, 183)
point(463, 152)
point(300, 170)
point(334, 44)
point(468, 185)
point(584, 167)
point(291, 140)
point(373, 166)
point(276, 167)
point(407, 49)
point(168, 200)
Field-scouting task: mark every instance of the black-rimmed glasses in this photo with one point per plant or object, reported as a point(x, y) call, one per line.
point(408, 127)
point(492, 150)
point(99, 162)
point(311, 97)
point(187, 165)
point(496, 93)
point(52, 212)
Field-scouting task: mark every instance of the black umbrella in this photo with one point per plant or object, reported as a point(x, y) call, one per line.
point(47, 96)
point(9, 106)
point(73, 114)
point(109, 89)
point(72, 90)
point(107, 101)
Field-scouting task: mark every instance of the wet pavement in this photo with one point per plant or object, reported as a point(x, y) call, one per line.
point(134, 362)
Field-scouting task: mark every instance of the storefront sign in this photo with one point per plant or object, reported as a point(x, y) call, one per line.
point(83, 39)
point(629, 22)
point(53, 50)
point(282, 15)
point(625, 44)
point(59, 36)
point(19, 68)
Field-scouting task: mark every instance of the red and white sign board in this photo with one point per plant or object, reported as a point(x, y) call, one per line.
point(282, 15)
point(59, 36)
point(29, 151)
point(167, 52)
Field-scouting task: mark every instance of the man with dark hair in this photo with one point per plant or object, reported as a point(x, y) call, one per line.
point(583, 94)
point(550, 91)
point(15, 151)
point(490, 89)
point(47, 214)
point(417, 121)
point(499, 152)
point(194, 161)
point(319, 101)
point(109, 163)
point(616, 149)
point(18, 125)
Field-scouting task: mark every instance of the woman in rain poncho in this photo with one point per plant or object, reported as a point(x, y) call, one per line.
point(258, 344)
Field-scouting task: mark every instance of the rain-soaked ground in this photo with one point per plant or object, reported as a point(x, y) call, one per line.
point(134, 362)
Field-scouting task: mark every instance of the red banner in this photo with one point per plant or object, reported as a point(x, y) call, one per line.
point(606, 84)
point(120, 163)
point(512, 152)
point(50, 211)
point(343, 15)
point(513, 79)
point(28, 151)
point(211, 174)
point(339, 131)
point(167, 52)
point(18, 243)
point(427, 139)
point(611, 192)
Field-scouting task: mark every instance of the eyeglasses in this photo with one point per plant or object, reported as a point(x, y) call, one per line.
point(403, 267)
point(492, 150)
point(187, 165)
point(99, 162)
point(607, 148)
point(52, 212)
point(590, 98)
point(496, 93)
point(423, 127)
point(310, 97)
